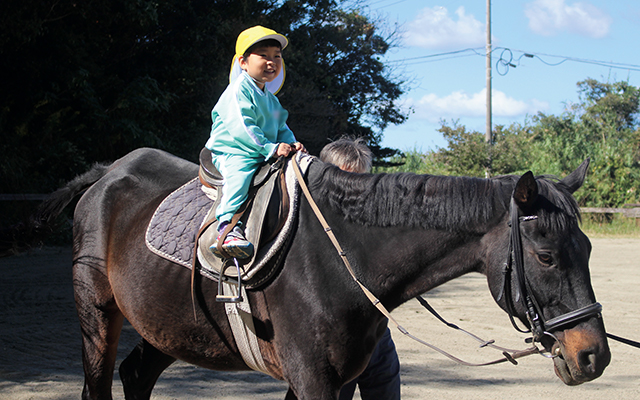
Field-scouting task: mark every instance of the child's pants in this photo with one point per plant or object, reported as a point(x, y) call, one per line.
point(237, 172)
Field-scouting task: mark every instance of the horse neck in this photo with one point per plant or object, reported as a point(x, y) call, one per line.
point(408, 233)
point(398, 263)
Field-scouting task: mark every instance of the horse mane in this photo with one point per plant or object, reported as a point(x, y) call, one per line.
point(450, 203)
point(407, 199)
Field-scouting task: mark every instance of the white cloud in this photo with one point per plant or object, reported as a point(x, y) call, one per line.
point(433, 28)
point(549, 17)
point(463, 105)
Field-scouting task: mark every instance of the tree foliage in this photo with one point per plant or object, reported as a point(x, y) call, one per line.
point(602, 127)
point(91, 81)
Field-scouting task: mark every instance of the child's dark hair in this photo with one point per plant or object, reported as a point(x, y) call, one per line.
point(262, 43)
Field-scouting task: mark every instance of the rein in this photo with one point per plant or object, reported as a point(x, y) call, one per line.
point(509, 355)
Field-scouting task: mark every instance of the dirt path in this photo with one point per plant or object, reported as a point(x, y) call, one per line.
point(40, 340)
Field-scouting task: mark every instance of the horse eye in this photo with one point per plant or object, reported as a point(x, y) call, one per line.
point(545, 258)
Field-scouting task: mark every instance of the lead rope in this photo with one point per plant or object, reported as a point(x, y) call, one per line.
point(508, 356)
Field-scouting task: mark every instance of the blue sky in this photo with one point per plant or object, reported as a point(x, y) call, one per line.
point(441, 55)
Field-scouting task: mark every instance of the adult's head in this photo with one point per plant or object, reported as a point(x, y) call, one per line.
point(349, 154)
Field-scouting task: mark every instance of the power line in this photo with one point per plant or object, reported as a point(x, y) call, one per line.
point(386, 5)
point(392, 4)
point(474, 50)
point(440, 59)
point(609, 64)
point(506, 59)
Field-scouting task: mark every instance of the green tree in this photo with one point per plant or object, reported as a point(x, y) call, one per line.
point(91, 81)
point(336, 84)
point(466, 152)
point(609, 104)
point(603, 126)
point(415, 161)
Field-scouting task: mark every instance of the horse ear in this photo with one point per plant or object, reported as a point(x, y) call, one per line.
point(526, 190)
point(574, 180)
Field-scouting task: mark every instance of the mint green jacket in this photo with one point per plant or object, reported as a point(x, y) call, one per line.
point(248, 121)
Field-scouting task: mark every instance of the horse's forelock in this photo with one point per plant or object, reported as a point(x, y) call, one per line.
point(557, 209)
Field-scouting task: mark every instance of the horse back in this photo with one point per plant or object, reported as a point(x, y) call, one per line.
point(121, 203)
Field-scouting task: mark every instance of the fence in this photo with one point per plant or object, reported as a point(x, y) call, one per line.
point(629, 210)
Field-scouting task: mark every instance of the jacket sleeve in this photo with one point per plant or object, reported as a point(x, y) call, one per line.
point(285, 135)
point(240, 119)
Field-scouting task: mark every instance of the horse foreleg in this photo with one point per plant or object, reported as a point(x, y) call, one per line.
point(141, 369)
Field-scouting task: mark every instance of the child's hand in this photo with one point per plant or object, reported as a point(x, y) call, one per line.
point(284, 149)
point(297, 146)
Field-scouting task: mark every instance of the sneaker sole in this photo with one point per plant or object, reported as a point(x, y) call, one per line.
point(234, 251)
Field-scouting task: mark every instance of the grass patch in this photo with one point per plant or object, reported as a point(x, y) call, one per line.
point(610, 226)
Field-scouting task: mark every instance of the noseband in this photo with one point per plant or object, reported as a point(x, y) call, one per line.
point(538, 325)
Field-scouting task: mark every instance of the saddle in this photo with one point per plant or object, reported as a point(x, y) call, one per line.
point(171, 234)
point(268, 200)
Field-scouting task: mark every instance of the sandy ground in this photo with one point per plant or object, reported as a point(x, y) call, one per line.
point(40, 340)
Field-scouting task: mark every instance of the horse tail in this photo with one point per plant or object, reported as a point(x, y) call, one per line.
point(33, 230)
point(53, 205)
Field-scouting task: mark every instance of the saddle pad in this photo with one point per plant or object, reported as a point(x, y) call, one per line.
point(174, 226)
point(172, 230)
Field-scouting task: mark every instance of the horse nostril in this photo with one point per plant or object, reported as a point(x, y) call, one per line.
point(592, 362)
point(588, 362)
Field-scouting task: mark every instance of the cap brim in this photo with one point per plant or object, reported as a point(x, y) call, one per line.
point(280, 38)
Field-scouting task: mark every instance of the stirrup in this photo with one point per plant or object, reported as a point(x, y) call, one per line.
point(225, 298)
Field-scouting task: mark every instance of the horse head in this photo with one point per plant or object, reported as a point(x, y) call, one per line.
point(543, 280)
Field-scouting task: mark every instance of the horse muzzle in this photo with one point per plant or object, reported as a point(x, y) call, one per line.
point(582, 354)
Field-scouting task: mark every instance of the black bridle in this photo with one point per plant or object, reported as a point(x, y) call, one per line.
point(538, 325)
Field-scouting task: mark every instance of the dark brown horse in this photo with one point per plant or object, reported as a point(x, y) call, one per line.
point(404, 235)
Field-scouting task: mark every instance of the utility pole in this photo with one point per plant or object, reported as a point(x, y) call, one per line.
point(487, 134)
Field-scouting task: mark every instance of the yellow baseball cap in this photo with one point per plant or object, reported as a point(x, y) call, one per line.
point(251, 36)
point(248, 38)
